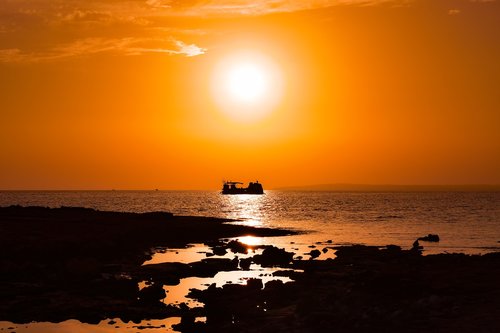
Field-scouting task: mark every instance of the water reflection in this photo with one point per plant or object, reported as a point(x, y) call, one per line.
point(249, 208)
point(251, 240)
point(466, 221)
point(105, 326)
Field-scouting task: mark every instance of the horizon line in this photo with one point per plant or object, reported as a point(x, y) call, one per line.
point(343, 187)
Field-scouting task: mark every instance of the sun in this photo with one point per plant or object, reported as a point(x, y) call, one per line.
point(247, 86)
point(247, 82)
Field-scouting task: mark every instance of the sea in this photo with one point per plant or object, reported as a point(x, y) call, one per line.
point(466, 222)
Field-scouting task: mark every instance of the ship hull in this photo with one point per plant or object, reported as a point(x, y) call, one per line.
point(242, 191)
point(232, 188)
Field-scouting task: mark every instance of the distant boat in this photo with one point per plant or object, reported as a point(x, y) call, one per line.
point(232, 188)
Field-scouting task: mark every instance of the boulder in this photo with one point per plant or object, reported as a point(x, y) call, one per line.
point(430, 238)
point(273, 256)
point(314, 253)
point(152, 293)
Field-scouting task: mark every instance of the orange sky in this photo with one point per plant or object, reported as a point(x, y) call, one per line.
point(100, 94)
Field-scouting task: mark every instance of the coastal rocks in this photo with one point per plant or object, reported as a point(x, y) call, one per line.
point(315, 253)
point(210, 267)
point(246, 263)
point(168, 273)
point(365, 289)
point(189, 324)
point(272, 256)
point(429, 238)
point(416, 247)
point(78, 263)
point(171, 273)
point(237, 247)
point(152, 294)
point(219, 251)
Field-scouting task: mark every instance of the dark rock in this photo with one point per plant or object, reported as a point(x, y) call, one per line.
point(211, 266)
point(395, 248)
point(255, 284)
point(219, 250)
point(245, 263)
point(273, 256)
point(152, 293)
point(416, 247)
point(315, 253)
point(237, 247)
point(430, 238)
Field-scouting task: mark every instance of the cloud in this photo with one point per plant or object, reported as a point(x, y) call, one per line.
point(11, 55)
point(257, 7)
point(181, 48)
point(190, 50)
point(92, 46)
point(159, 3)
point(47, 30)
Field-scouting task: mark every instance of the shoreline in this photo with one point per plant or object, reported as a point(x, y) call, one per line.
point(78, 263)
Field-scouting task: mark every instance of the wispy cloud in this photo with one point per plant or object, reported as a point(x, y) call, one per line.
point(92, 46)
point(44, 30)
point(188, 50)
point(258, 7)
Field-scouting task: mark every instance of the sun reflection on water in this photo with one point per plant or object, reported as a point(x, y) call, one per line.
point(251, 240)
point(245, 207)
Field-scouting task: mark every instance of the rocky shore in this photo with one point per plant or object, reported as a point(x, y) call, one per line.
point(75, 263)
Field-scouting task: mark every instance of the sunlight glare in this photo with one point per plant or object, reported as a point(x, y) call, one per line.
point(247, 86)
point(247, 83)
point(251, 240)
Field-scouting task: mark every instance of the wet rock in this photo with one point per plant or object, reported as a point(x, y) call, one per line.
point(152, 293)
point(315, 253)
point(394, 248)
point(237, 247)
point(210, 267)
point(168, 273)
point(245, 263)
point(430, 238)
point(189, 324)
point(255, 284)
point(273, 256)
point(219, 250)
point(355, 253)
point(416, 247)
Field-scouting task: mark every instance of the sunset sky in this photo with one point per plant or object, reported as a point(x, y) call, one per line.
point(171, 94)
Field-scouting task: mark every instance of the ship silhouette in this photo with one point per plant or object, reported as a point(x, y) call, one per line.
point(233, 188)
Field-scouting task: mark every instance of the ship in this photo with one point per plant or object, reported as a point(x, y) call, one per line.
point(234, 188)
